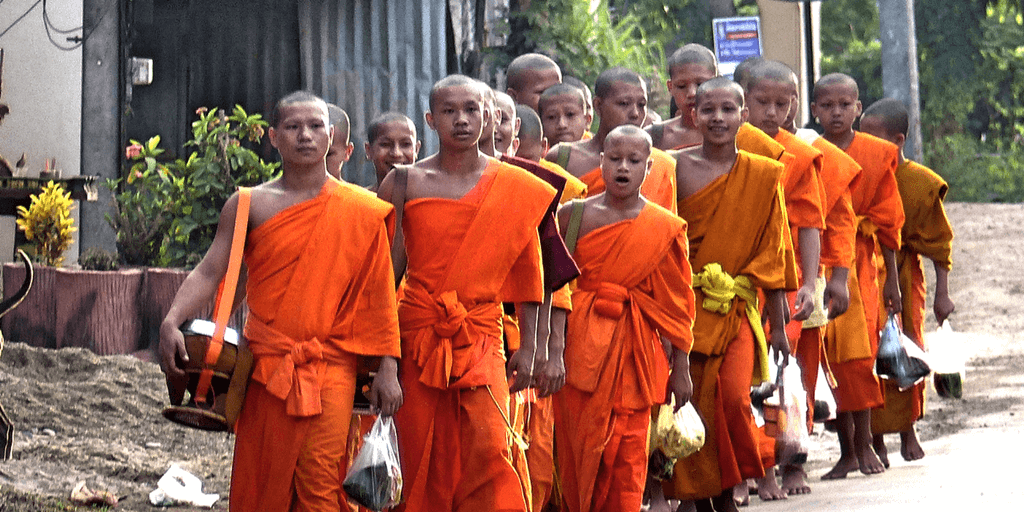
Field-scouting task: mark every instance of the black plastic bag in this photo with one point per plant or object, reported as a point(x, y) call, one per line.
point(375, 478)
point(894, 362)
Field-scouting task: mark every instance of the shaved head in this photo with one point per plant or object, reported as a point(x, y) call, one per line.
point(457, 81)
point(628, 131)
point(607, 79)
point(530, 127)
point(692, 53)
point(376, 126)
point(835, 80)
point(892, 113)
point(742, 73)
point(768, 70)
point(339, 120)
point(720, 82)
point(292, 99)
point(516, 72)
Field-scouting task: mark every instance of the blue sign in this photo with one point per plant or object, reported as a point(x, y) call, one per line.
point(736, 40)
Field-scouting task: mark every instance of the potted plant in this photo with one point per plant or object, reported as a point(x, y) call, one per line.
point(70, 307)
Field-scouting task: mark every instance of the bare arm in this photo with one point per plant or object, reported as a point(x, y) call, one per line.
point(891, 290)
point(520, 365)
point(943, 304)
point(549, 363)
point(680, 383)
point(776, 307)
point(837, 292)
point(399, 259)
point(810, 255)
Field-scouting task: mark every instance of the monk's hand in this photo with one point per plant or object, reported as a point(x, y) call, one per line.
point(172, 350)
point(679, 381)
point(780, 345)
point(891, 295)
point(943, 308)
point(837, 293)
point(549, 375)
point(385, 391)
point(804, 302)
point(519, 370)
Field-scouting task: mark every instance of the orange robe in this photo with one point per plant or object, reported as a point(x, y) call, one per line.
point(635, 285)
point(320, 293)
point(751, 139)
point(659, 187)
point(465, 257)
point(851, 340)
point(739, 222)
point(927, 233)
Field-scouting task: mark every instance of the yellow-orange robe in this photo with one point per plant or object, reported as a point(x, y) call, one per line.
point(635, 285)
point(465, 257)
point(320, 292)
point(927, 233)
point(739, 222)
point(851, 340)
point(659, 187)
point(751, 139)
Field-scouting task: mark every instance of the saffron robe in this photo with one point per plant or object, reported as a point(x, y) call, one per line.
point(738, 221)
point(839, 175)
point(465, 257)
point(320, 292)
point(751, 139)
point(927, 233)
point(659, 187)
point(635, 285)
point(851, 340)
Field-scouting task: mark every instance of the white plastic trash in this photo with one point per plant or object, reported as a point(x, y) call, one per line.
point(179, 487)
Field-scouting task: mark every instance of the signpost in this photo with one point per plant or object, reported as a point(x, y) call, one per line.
point(736, 40)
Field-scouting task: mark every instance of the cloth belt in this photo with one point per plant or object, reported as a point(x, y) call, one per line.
point(296, 366)
point(865, 226)
point(445, 356)
point(720, 290)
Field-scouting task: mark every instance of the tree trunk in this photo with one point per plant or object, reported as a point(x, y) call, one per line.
point(721, 8)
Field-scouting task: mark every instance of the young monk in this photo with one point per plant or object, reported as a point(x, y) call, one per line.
point(467, 251)
point(341, 145)
point(734, 206)
point(390, 141)
point(621, 98)
point(506, 130)
point(588, 99)
point(769, 90)
point(633, 303)
point(528, 75)
point(851, 340)
point(927, 233)
point(563, 111)
point(688, 67)
point(320, 291)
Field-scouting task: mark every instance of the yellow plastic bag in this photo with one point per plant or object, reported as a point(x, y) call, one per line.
point(678, 434)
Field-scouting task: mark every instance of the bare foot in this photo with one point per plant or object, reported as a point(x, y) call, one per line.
point(869, 463)
point(878, 442)
point(740, 494)
point(845, 464)
point(794, 480)
point(910, 448)
point(768, 488)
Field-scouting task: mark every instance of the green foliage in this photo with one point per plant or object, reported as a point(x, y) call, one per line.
point(167, 213)
point(95, 258)
point(977, 171)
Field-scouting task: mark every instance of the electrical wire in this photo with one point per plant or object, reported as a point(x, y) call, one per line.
point(9, 27)
point(46, 19)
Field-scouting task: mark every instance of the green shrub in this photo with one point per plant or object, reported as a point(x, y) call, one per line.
point(978, 171)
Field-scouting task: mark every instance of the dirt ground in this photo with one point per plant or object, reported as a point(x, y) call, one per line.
point(81, 417)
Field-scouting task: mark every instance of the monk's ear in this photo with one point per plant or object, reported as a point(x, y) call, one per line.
point(650, 164)
point(348, 151)
point(860, 108)
point(272, 135)
point(429, 118)
point(366, 150)
point(514, 148)
point(519, 124)
point(544, 147)
point(418, 144)
point(900, 140)
point(744, 114)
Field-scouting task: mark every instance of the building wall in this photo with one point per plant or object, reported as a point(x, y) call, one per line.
point(42, 84)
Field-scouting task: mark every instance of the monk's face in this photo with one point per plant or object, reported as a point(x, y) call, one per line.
point(769, 102)
point(685, 80)
point(625, 103)
point(624, 164)
point(537, 81)
point(395, 144)
point(836, 107)
point(794, 108)
point(874, 125)
point(564, 118)
point(719, 114)
point(505, 130)
point(339, 152)
point(302, 134)
point(458, 116)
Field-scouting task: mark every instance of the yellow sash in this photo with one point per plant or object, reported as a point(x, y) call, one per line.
point(720, 289)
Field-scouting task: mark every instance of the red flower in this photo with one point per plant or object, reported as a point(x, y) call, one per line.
point(133, 151)
point(201, 110)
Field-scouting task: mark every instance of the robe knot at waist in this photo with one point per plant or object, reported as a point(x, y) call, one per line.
point(293, 368)
point(720, 290)
point(865, 226)
point(446, 351)
point(610, 299)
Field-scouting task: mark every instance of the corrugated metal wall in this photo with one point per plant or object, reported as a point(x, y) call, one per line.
point(370, 57)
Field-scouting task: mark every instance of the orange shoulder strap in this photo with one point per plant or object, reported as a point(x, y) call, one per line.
point(226, 297)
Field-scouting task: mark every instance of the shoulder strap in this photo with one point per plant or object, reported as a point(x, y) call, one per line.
point(398, 200)
point(657, 133)
point(226, 294)
point(563, 157)
point(572, 231)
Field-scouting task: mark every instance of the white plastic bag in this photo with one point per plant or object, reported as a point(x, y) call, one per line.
point(824, 399)
point(899, 358)
point(179, 487)
point(947, 356)
point(375, 478)
point(793, 443)
point(674, 436)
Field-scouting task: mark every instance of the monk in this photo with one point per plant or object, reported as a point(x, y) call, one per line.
point(688, 67)
point(506, 128)
point(629, 331)
point(927, 233)
point(320, 294)
point(588, 99)
point(734, 205)
point(528, 75)
point(620, 98)
point(769, 89)
point(563, 111)
point(466, 253)
point(341, 146)
point(390, 141)
point(851, 340)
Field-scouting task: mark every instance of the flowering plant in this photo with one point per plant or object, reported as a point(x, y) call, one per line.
point(48, 224)
point(183, 198)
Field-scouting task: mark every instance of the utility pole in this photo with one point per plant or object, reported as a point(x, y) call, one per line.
point(899, 64)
